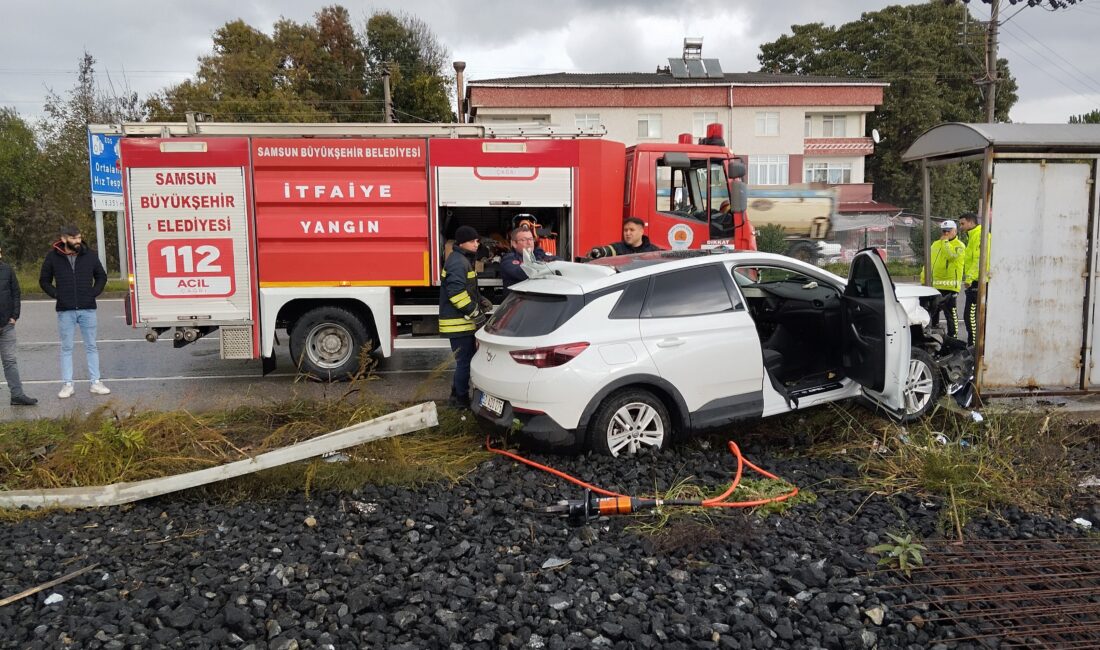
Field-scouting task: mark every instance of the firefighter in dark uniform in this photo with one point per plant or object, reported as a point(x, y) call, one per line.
point(461, 310)
point(634, 241)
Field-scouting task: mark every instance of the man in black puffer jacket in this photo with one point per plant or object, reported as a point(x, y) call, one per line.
point(10, 300)
point(634, 241)
point(72, 275)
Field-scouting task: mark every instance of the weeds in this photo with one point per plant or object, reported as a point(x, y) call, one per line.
point(1016, 459)
point(903, 554)
point(109, 446)
point(668, 522)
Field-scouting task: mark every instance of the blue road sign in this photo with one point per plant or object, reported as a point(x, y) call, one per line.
point(106, 171)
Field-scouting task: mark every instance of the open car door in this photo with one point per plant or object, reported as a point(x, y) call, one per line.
point(876, 345)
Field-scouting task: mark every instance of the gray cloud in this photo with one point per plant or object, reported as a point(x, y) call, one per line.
point(148, 45)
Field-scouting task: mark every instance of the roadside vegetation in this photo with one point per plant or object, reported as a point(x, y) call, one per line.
point(965, 468)
point(108, 446)
point(898, 269)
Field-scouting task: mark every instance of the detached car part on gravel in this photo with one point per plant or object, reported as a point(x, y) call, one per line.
point(624, 353)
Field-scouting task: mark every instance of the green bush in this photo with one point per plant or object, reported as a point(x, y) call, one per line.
point(771, 238)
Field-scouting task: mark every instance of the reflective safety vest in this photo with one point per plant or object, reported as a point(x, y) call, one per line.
point(973, 254)
point(947, 264)
point(458, 295)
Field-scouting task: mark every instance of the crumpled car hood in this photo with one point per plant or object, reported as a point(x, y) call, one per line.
point(909, 296)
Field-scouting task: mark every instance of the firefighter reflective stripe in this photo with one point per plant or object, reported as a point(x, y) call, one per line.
point(460, 300)
point(451, 325)
point(469, 274)
point(458, 295)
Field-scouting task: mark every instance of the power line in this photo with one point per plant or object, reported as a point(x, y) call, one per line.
point(1064, 84)
point(1080, 76)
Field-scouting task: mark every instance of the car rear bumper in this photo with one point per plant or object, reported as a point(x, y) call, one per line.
point(537, 427)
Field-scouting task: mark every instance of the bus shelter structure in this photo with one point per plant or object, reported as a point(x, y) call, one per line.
point(1038, 321)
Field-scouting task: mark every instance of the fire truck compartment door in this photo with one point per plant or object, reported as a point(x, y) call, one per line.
point(190, 244)
point(505, 186)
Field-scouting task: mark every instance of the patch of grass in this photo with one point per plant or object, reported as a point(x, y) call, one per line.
point(660, 521)
point(651, 522)
point(110, 446)
point(751, 489)
point(897, 269)
point(1011, 458)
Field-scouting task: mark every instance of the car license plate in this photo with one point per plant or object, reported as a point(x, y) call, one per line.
point(492, 404)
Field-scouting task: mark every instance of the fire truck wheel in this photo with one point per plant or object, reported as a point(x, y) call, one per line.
point(326, 343)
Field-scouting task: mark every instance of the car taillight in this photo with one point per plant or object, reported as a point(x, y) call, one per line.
point(550, 357)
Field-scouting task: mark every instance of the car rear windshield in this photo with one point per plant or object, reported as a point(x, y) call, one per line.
point(533, 314)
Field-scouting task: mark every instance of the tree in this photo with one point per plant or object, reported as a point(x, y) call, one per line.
point(19, 184)
point(916, 49)
point(64, 192)
point(244, 80)
point(1092, 117)
point(418, 67)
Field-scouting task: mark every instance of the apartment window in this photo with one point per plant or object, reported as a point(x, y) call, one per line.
point(834, 126)
point(586, 120)
point(649, 125)
point(767, 123)
point(769, 170)
point(699, 122)
point(808, 129)
point(828, 172)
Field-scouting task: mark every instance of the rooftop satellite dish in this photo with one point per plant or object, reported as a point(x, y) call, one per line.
point(875, 136)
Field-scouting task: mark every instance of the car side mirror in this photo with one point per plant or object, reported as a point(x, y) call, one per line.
point(739, 197)
point(736, 168)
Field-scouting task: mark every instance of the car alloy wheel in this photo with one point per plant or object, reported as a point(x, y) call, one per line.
point(922, 385)
point(630, 421)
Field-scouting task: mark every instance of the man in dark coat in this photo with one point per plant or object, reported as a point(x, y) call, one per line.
point(461, 310)
point(9, 313)
point(72, 275)
point(511, 270)
point(634, 241)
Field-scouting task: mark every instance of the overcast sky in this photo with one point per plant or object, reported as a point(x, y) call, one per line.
point(149, 44)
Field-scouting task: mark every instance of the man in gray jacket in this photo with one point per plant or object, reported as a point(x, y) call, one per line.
point(9, 313)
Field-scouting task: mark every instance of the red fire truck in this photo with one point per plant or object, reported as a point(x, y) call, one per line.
point(336, 233)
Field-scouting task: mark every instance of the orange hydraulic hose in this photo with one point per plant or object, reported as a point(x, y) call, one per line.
point(715, 502)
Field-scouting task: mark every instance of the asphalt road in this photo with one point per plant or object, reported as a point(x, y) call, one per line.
point(157, 376)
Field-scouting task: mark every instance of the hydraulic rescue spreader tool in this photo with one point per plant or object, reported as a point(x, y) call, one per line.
point(593, 507)
point(598, 502)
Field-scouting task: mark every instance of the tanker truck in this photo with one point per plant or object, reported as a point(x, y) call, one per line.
point(805, 212)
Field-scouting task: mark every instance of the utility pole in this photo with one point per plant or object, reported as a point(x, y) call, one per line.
point(387, 105)
point(460, 90)
point(990, 80)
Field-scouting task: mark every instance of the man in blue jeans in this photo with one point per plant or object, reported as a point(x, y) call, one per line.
point(72, 275)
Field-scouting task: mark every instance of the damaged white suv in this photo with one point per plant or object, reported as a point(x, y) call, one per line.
point(625, 352)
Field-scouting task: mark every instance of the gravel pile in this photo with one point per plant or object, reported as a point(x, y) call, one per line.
point(469, 566)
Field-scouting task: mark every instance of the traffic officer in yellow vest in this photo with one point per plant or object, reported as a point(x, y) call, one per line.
point(461, 310)
point(970, 224)
point(947, 268)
